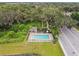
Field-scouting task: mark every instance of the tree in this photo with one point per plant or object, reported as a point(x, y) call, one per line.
point(75, 16)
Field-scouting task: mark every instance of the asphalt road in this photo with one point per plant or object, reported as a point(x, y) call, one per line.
point(70, 41)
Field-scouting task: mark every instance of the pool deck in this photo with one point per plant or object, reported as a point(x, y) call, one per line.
point(30, 39)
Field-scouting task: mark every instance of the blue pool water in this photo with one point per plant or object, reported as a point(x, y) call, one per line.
point(42, 37)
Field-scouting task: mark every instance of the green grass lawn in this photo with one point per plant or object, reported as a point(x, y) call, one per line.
point(44, 49)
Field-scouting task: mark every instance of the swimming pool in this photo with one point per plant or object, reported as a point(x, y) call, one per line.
point(41, 37)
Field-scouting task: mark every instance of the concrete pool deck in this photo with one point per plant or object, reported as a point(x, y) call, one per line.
point(30, 39)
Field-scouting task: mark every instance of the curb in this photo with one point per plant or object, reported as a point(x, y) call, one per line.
point(62, 48)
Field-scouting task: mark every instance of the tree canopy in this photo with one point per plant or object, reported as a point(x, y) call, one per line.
point(50, 14)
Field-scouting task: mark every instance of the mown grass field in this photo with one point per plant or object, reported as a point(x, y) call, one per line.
point(14, 42)
point(44, 49)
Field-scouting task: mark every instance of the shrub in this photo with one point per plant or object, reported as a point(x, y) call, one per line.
point(15, 27)
point(11, 34)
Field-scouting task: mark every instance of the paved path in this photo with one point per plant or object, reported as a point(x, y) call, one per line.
point(70, 41)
